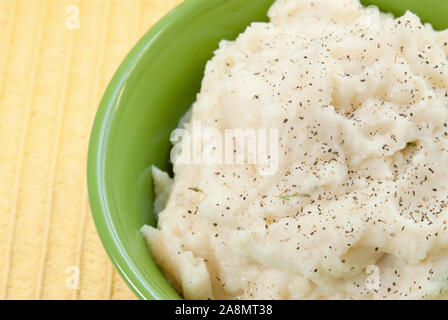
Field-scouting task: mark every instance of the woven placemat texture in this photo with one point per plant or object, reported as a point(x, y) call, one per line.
point(52, 77)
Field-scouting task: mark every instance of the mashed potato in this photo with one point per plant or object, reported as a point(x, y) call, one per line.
point(357, 207)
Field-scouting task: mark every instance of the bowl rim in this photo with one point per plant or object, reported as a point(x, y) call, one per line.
point(100, 132)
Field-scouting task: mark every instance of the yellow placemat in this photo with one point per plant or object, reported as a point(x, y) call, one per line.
point(52, 76)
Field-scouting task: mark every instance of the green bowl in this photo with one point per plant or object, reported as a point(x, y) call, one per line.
point(151, 90)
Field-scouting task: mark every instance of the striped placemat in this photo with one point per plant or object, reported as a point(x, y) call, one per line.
point(54, 69)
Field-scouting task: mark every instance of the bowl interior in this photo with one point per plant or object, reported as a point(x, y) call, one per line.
point(151, 90)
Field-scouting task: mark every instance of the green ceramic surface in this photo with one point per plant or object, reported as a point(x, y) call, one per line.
point(153, 87)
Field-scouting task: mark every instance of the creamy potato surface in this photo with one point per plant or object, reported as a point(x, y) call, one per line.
point(357, 205)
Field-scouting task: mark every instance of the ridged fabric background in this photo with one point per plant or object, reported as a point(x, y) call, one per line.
point(51, 81)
